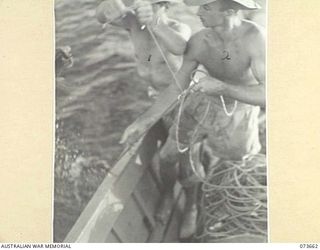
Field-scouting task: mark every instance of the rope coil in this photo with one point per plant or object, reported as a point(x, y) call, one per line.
point(182, 97)
point(234, 200)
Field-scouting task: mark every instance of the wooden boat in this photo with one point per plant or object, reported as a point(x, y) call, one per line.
point(123, 207)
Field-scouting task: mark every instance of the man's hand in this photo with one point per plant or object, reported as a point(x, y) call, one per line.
point(210, 86)
point(144, 12)
point(133, 133)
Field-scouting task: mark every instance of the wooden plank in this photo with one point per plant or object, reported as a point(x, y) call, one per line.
point(101, 221)
point(99, 216)
point(113, 206)
point(148, 215)
point(148, 195)
point(99, 203)
point(130, 224)
point(160, 228)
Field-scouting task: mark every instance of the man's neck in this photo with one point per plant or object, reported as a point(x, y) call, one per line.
point(229, 28)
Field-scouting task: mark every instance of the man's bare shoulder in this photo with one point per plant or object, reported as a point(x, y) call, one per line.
point(254, 39)
point(198, 37)
point(196, 43)
point(253, 32)
point(181, 28)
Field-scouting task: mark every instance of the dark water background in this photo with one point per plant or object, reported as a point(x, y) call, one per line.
point(95, 101)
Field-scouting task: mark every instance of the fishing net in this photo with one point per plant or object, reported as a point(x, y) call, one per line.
point(234, 201)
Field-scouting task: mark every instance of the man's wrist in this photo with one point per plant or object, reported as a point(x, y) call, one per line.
point(221, 88)
point(224, 88)
point(227, 89)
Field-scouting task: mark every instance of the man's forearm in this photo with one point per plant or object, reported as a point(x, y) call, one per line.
point(165, 102)
point(167, 99)
point(171, 39)
point(253, 94)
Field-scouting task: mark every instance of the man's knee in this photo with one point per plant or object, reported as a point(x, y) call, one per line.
point(169, 152)
point(192, 170)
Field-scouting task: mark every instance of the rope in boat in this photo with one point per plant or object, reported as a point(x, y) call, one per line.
point(192, 75)
point(117, 5)
point(234, 200)
point(243, 197)
point(234, 192)
point(234, 197)
point(182, 97)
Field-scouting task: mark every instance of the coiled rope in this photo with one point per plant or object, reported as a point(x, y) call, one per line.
point(234, 200)
point(242, 197)
point(182, 97)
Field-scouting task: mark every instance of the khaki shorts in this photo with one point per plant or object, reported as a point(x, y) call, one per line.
point(228, 137)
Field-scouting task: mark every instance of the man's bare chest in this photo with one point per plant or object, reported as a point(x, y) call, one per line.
point(149, 54)
point(225, 61)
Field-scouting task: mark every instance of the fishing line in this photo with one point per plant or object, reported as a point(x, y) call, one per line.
point(117, 7)
point(231, 187)
point(118, 10)
point(182, 97)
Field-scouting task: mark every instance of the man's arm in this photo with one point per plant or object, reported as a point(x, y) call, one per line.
point(251, 94)
point(174, 38)
point(123, 22)
point(167, 98)
point(165, 102)
point(255, 94)
point(173, 35)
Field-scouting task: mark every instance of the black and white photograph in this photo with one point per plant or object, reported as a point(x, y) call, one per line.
point(160, 121)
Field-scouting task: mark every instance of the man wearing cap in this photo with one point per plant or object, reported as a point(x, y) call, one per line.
point(224, 105)
point(171, 35)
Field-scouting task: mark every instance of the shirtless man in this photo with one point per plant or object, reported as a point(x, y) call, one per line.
point(151, 66)
point(171, 35)
point(233, 53)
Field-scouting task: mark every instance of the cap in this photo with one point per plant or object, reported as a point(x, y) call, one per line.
point(248, 4)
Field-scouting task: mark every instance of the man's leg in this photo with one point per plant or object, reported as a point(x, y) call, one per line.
point(191, 172)
point(169, 157)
